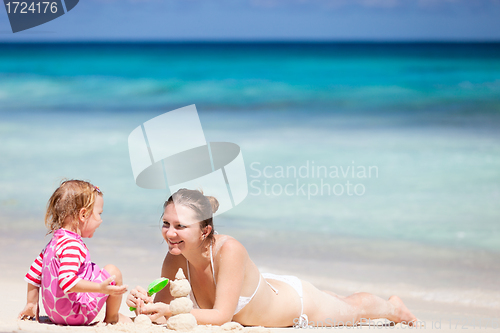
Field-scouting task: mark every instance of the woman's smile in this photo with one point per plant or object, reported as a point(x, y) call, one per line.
point(179, 227)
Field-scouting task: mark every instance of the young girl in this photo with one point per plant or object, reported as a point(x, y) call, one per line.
point(74, 289)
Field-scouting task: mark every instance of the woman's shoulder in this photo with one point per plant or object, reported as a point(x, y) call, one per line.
point(229, 256)
point(225, 244)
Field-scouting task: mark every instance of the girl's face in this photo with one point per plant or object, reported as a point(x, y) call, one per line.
point(94, 220)
point(180, 229)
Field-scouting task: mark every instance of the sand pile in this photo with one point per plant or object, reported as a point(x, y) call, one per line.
point(181, 306)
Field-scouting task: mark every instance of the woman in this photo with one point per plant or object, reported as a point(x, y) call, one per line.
point(227, 285)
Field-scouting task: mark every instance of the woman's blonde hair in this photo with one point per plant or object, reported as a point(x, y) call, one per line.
point(203, 206)
point(69, 198)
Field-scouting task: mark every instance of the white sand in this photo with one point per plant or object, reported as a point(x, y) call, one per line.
point(140, 267)
point(12, 295)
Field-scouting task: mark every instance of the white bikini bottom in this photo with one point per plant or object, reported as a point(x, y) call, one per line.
point(296, 284)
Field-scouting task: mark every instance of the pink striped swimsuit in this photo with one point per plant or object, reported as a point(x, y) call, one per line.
point(60, 273)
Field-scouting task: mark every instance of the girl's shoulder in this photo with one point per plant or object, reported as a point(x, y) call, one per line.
point(65, 239)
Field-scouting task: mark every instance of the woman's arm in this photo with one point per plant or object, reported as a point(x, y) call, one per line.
point(231, 261)
point(171, 265)
point(159, 313)
point(158, 309)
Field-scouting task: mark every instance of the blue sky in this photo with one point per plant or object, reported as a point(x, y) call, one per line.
point(457, 20)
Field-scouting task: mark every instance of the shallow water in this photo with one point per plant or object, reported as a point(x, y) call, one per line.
point(423, 118)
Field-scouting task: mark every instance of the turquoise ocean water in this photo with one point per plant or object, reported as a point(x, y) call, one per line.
point(418, 123)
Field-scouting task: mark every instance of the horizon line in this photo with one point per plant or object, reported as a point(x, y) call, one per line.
point(253, 41)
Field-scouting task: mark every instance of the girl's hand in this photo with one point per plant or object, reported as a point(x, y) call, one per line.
point(137, 297)
point(157, 312)
point(29, 312)
point(107, 288)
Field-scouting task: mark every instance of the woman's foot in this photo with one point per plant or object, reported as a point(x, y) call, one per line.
point(403, 314)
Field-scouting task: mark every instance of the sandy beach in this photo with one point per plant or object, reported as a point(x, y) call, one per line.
point(424, 226)
point(12, 292)
point(439, 308)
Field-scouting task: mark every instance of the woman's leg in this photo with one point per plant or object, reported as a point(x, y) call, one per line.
point(113, 302)
point(369, 306)
point(333, 294)
point(350, 310)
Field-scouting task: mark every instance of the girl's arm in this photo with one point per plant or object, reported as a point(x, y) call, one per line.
point(31, 308)
point(105, 287)
point(71, 253)
point(34, 279)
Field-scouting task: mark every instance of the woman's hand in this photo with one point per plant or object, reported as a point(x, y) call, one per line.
point(29, 312)
point(157, 312)
point(137, 298)
point(107, 287)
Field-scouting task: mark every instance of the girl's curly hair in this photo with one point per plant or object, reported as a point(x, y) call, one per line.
point(69, 198)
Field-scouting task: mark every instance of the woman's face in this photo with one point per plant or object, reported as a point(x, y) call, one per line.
point(180, 229)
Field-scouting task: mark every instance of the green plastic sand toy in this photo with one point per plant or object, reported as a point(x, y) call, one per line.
point(155, 287)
